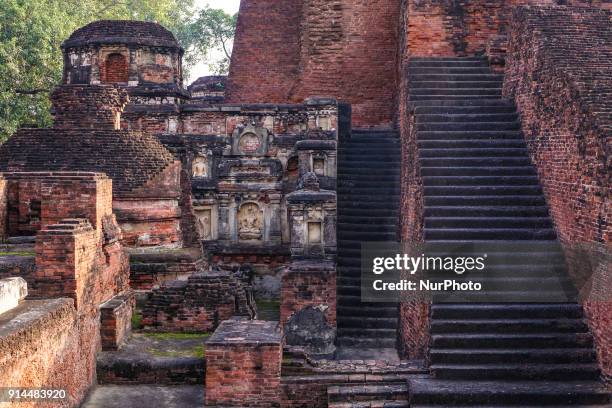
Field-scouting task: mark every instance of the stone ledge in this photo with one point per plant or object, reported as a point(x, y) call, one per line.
point(246, 333)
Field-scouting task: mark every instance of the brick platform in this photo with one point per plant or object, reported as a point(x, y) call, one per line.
point(243, 364)
point(116, 323)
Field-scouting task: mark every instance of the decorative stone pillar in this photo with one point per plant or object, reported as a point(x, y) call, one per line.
point(243, 364)
point(224, 222)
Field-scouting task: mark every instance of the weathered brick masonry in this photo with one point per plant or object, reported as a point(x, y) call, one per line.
point(560, 76)
point(346, 49)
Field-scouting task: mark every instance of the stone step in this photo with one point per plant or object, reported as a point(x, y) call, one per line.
point(475, 162)
point(451, 97)
point(525, 325)
point(467, 126)
point(360, 227)
point(464, 84)
point(466, 118)
point(513, 201)
point(465, 110)
point(527, 355)
point(367, 393)
point(445, 70)
point(434, 191)
point(505, 152)
point(358, 212)
point(448, 63)
point(507, 311)
point(380, 171)
point(495, 393)
point(371, 311)
point(368, 235)
point(490, 233)
point(472, 144)
point(463, 92)
point(368, 220)
point(472, 102)
point(554, 372)
point(486, 211)
point(431, 181)
point(347, 203)
point(378, 322)
point(488, 222)
point(449, 135)
point(419, 78)
point(366, 198)
point(365, 342)
point(478, 171)
point(511, 341)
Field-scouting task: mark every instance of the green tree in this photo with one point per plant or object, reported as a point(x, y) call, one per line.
point(213, 29)
point(31, 32)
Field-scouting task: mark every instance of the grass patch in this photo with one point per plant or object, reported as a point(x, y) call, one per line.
point(268, 309)
point(137, 320)
point(18, 253)
point(197, 352)
point(177, 336)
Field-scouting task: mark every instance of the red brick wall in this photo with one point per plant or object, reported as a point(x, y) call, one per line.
point(3, 208)
point(116, 320)
point(51, 348)
point(301, 287)
point(266, 56)
point(346, 49)
point(560, 76)
point(243, 375)
point(115, 69)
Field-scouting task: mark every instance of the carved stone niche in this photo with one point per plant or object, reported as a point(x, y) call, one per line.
point(204, 223)
point(250, 222)
point(250, 140)
point(201, 167)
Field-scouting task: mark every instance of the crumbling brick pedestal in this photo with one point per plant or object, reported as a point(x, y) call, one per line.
point(116, 320)
point(309, 283)
point(243, 364)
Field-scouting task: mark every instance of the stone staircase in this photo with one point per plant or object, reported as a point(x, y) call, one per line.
point(480, 185)
point(389, 395)
point(368, 210)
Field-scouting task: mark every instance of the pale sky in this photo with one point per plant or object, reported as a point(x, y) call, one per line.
point(230, 6)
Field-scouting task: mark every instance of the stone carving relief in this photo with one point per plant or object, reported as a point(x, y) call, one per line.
point(204, 224)
point(318, 166)
point(249, 143)
point(200, 167)
point(250, 140)
point(250, 222)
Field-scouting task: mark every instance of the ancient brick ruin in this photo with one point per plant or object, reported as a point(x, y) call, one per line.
point(144, 236)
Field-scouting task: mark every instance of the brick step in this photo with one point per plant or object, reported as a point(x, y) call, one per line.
point(346, 243)
point(502, 181)
point(490, 233)
point(449, 135)
point(477, 77)
point(434, 191)
point(511, 341)
point(366, 149)
point(372, 311)
point(390, 162)
point(448, 63)
point(525, 325)
point(527, 355)
point(355, 301)
point(350, 185)
point(508, 296)
point(366, 198)
point(347, 204)
point(495, 393)
point(367, 393)
point(467, 126)
point(554, 372)
point(378, 322)
point(486, 211)
point(482, 151)
point(513, 201)
point(463, 92)
point(380, 171)
point(474, 161)
point(506, 311)
point(438, 83)
point(488, 222)
point(360, 213)
point(365, 342)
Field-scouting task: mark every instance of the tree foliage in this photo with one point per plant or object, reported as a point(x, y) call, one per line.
point(31, 32)
point(213, 29)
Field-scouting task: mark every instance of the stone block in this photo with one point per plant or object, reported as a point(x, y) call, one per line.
point(12, 291)
point(116, 320)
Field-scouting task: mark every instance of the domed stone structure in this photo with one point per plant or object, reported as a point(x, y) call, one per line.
point(130, 53)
